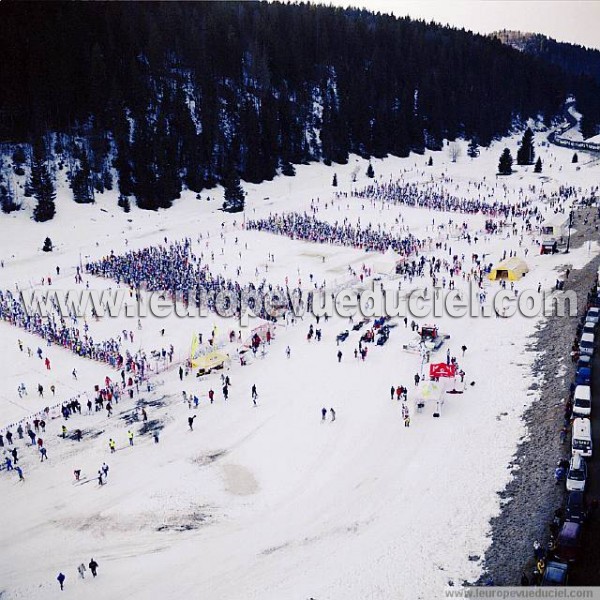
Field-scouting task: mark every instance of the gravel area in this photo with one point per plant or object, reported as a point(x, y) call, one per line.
point(532, 496)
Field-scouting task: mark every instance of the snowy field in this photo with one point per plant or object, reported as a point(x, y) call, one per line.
point(269, 502)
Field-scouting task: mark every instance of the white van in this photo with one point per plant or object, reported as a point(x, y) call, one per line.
point(581, 442)
point(582, 401)
point(586, 344)
point(577, 474)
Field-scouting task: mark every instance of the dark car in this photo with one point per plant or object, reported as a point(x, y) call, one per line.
point(576, 509)
point(583, 376)
point(568, 542)
point(584, 361)
point(555, 574)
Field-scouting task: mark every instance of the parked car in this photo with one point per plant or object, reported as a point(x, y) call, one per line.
point(589, 327)
point(581, 437)
point(576, 508)
point(582, 400)
point(577, 474)
point(584, 361)
point(586, 344)
point(583, 376)
point(568, 542)
point(593, 315)
point(555, 574)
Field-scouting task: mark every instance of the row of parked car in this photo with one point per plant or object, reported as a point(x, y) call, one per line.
point(571, 520)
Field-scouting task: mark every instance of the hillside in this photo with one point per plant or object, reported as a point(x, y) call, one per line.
point(161, 97)
point(571, 58)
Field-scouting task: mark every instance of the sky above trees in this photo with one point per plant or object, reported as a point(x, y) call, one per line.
point(567, 21)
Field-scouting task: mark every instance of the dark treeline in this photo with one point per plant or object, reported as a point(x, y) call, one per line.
point(183, 94)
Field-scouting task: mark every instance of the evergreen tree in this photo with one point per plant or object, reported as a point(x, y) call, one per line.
point(233, 192)
point(473, 149)
point(124, 203)
point(288, 169)
point(7, 200)
point(81, 181)
point(370, 171)
point(538, 166)
point(575, 158)
point(334, 182)
point(47, 247)
point(526, 153)
point(19, 157)
point(505, 164)
point(42, 187)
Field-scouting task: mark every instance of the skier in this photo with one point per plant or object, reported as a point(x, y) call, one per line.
point(112, 445)
point(130, 436)
point(20, 473)
point(93, 567)
point(81, 570)
point(339, 356)
point(64, 432)
point(332, 414)
point(74, 373)
point(392, 391)
point(225, 392)
point(180, 373)
point(61, 580)
point(100, 480)
point(254, 394)
point(288, 352)
point(417, 379)
point(44, 454)
point(105, 470)
point(211, 395)
point(77, 473)
point(191, 422)
point(323, 414)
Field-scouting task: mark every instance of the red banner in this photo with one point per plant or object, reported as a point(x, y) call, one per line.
point(441, 370)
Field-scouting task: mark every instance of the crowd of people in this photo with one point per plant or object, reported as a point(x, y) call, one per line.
point(54, 330)
point(307, 228)
point(175, 269)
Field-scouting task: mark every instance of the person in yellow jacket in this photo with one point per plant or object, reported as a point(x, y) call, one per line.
point(130, 436)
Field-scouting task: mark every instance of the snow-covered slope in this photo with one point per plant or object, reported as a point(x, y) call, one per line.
point(270, 502)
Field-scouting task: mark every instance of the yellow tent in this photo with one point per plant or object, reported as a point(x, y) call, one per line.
point(512, 269)
point(208, 360)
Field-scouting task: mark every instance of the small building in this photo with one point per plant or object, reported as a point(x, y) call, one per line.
point(555, 228)
point(511, 269)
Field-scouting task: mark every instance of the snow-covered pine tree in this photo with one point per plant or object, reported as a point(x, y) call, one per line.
point(506, 162)
point(233, 192)
point(526, 153)
point(42, 187)
point(473, 149)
